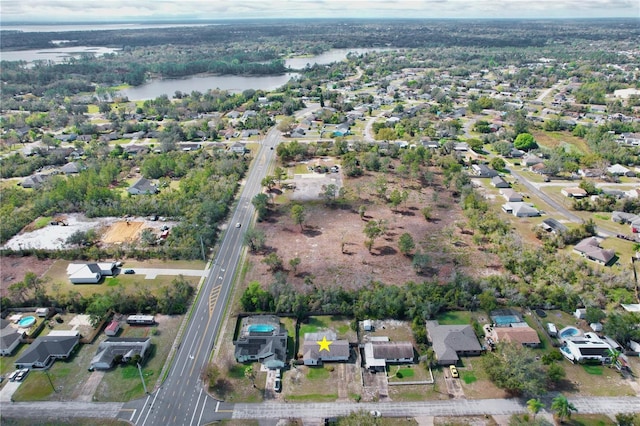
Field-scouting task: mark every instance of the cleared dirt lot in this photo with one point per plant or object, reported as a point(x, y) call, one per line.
point(331, 245)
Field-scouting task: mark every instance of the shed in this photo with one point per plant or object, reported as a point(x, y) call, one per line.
point(112, 329)
point(42, 312)
point(367, 325)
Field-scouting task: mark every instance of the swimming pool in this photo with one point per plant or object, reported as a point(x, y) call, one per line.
point(569, 332)
point(27, 321)
point(505, 319)
point(260, 328)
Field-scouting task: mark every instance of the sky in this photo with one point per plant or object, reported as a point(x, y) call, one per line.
point(57, 11)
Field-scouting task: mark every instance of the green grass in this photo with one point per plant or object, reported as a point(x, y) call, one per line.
point(596, 370)
point(237, 371)
point(602, 216)
point(405, 373)
point(318, 373)
point(41, 222)
point(454, 318)
point(314, 397)
point(312, 325)
point(468, 377)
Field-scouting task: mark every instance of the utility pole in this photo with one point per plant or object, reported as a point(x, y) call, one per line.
point(204, 258)
point(142, 378)
point(46, 372)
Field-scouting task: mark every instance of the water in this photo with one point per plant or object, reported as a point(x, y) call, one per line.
point(569, 332)
point(230, 83)
point(260, 328)
point(57, 54)
point(505, 319)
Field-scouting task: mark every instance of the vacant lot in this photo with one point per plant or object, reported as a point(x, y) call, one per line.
point(331, 243)
point(122, 232)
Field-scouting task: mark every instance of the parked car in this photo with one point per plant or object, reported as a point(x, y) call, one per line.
point(277, 385)
point(454, 371)
point(375, 413)
point(21, 375)
point(12, 376)
point(238, 225)
point(129, 271)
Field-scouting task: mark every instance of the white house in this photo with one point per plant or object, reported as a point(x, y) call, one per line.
point(586, 348)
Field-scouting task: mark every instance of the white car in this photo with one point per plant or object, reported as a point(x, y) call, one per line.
point(375, 413)
point(238, 225)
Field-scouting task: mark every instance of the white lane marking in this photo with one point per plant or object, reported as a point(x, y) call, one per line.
point(194, 410)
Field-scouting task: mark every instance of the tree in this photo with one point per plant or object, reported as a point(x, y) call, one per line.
point(329, 193)
point(269, 182)
point(625, 419)
point(372, 230)
point(255, 298)
point(286, 125)
point(525, 142)
point(294, 263)
point(298, 214)
point(363, 209)
point(420, 262)
point(250, 374)
point(516, 369)
point(255, 239)
point(148, 237)
point(395, 198)
point(406, 244)
point(555, 373)
point(534, 405)
point(594, 314)
point(562, 407)
point(427, 212)
point(273, 261)
point(261, 203)
point(497, 163)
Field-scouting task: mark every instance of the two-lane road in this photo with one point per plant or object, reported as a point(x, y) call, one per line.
point(182, 400)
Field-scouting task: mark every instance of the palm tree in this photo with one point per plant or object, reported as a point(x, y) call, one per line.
point(562, 407)
point(534, 405)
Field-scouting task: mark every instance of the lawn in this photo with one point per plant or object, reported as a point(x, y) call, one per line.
point(595, 370)
point(454, 318)
point(318, 373)
point(57, 281)
point(123, 383)
point(565, 140)
point(340, 325)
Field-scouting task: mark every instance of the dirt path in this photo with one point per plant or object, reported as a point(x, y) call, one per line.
point(86, 391)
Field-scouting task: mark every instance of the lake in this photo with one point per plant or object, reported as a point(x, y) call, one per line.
point(234, 83)
point(56, 54)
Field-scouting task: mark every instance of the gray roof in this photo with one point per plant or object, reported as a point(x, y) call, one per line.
point(269, 347)
point(143, 186)
point(128, 347)
point(338, 349)
point(448, 340)
point(48, 346)
point(392, 350)
point(8, 334)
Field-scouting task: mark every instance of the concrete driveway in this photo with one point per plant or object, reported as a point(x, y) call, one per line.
point(151, 273)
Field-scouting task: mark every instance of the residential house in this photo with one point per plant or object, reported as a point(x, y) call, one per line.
point(70, 168)
point(623, 217)
point(34, 181)
point(43, 352)
point(89, 273)
point(133, 149)
point(120, 349)
point(630, 139)
point(324, 346)
point(482, 171)
point(238, 148)
point(590, 248)
point(590, 173)
point(530, 160)
point(517, 333)
point(10, 337)
point(574, 192)
point(452, 341)
point(143, 186)
point(379, 353)
point(586, 348)
point(539, 168)
point(511, 196)
point(553, 226)
point(262, 338)
point(620, 170)
point(499, 182)
point(520, 209)
point(247, 133)
point(461, 147)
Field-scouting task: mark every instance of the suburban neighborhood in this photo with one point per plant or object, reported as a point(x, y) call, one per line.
point(390, 228)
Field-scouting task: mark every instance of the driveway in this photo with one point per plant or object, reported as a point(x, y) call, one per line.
point(152, 273)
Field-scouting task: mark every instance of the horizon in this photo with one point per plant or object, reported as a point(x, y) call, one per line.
point(63, 12)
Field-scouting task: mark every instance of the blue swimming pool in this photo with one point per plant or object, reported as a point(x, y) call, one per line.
point(260, 328)
point(505, 319)
point(569, 332)
point(27, 321)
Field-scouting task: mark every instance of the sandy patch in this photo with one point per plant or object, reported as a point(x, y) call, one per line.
point(53, 237)
point(122, 232)
point(80, 320)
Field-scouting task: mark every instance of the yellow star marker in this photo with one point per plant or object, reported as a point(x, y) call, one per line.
point(324, 344)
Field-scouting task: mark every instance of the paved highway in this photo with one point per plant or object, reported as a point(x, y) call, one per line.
point(182, 399)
